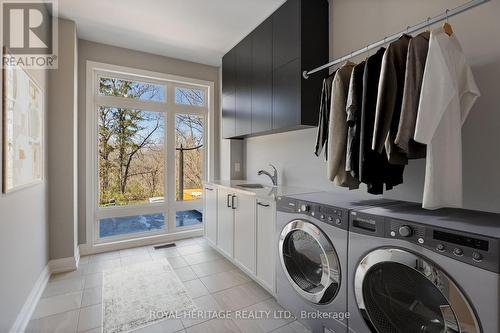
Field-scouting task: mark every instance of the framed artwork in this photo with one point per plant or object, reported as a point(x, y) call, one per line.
point(22, 140)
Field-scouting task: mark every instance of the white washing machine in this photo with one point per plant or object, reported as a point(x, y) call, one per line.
point(311, 265)
point(412, 270)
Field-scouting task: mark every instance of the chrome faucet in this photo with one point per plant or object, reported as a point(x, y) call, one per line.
point(274, 177)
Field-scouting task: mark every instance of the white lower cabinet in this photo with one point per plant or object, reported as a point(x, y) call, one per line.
point(225, 221)
point(210, 213)
point(244, 231)
point(241, 227)
point(266, 244)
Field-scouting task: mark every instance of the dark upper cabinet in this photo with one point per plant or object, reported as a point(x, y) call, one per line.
point(243, 87)
point(228, 95)
point(286, 95)
point(262, 77)
point(264, 72)
point(286, 33)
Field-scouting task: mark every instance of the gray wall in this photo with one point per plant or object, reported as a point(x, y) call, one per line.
point(62, 142)
point(355, 24)
point(124, 57)
point(23, 235)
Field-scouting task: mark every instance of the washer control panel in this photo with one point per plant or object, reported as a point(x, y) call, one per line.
point(476, 250)
point(335, 216)
point(472, 249)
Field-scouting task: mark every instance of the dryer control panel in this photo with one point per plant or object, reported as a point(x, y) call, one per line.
point(480, 251)
point(335, 216)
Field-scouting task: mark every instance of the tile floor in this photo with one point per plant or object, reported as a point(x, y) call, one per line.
point(72, 302)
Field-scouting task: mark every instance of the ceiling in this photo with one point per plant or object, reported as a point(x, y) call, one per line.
point(194, 30)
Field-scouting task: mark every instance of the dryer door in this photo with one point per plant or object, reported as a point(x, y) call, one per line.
point(398, 291)
point(310, 261)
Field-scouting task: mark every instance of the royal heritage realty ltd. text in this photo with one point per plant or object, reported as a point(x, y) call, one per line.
point(246, 314)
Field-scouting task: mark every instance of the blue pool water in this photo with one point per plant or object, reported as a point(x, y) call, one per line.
point(143, 223)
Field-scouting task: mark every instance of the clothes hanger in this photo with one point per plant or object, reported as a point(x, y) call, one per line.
point(428, 25)
point(447, 26)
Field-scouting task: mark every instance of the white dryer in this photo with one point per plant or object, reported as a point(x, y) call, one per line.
point(415, 271)
point(311, 265)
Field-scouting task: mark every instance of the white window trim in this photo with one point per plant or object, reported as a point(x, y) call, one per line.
point(95, 68)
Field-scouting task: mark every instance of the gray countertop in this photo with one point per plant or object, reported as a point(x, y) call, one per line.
point(267, 193)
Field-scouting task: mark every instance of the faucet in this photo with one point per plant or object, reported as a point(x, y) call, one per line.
point(274, 178)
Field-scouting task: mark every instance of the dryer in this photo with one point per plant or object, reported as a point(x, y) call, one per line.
point(413, 270)
point(311, 242)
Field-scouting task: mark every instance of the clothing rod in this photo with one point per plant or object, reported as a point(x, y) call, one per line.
point(410, 29)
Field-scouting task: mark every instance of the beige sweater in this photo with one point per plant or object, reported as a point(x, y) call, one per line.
point(337, 129)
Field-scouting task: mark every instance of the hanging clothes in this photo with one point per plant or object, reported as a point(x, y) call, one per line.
point(415, 65)
point(374, 169)
point(337, 129)
point(448, 93)
point(389, 99)
point(324, 115)
point(353, 110)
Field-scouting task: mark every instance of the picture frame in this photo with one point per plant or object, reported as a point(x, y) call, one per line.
point(23, 138)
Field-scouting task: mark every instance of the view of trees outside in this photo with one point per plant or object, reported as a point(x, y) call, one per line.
point(132, 147)
point(190, 151)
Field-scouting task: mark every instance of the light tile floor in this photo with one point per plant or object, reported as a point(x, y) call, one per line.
point(72, 302)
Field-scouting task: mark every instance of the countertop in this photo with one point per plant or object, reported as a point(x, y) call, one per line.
point(269, 192)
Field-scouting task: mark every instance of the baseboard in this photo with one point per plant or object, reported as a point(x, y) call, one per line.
point(53, 266)
point(65, 264)
point(29, 306)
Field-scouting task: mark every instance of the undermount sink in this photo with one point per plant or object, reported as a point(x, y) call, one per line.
point(251, 185)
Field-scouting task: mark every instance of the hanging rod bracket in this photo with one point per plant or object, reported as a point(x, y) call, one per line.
point(305, 75)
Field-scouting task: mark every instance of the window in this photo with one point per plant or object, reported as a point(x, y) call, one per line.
point(130, 224)
point(131, 89)
point(131, 156)
point(148, 154)
point(189, 133)
point(189, 96)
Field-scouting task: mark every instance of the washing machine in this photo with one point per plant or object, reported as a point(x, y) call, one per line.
point(413, 270)
point(311, 241)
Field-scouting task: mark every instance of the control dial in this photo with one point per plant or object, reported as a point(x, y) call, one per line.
point(405, 231)
point(477, 256)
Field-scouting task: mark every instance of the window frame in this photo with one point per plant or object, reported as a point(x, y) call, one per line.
point(169, 109)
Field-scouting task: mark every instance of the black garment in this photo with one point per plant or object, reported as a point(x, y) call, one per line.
point(374, 169)
point(324, 116)
point(353, 109)
point(390, 97)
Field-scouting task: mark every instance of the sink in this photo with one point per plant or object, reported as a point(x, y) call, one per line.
point(251, 186)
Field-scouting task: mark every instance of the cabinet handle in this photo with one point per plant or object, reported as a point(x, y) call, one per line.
point(229, 200)
point(209, 189)
point(233, 206)
point(263, 204)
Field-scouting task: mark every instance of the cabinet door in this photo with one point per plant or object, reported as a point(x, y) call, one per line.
point(228, 94)
point(244, 231)
point(286, 33)
point(244, 87)
point(225, 224)
point(210, 213)
point(262, 77)
point(286, 95)
point(266, 243)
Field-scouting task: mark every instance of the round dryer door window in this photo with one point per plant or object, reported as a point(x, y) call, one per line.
point(310, 261)
point(400, 292)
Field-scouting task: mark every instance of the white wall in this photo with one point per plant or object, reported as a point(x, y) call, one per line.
point(355, 24)
point(62, 153)
point(23, 235)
